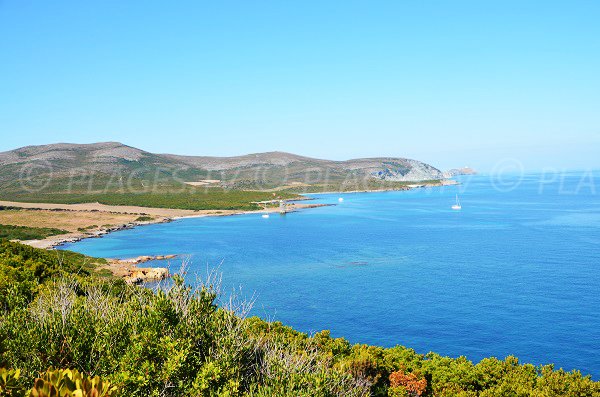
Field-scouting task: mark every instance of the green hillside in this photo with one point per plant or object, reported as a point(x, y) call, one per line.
point(112, 166)
point(116, 174)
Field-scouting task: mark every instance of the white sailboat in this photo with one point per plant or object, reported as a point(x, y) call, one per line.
point(457, 206)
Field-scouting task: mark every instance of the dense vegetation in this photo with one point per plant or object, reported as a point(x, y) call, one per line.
point(12, 232)
point(56, 311)
point(153, 190)
point(186, 198)
point(239, 197)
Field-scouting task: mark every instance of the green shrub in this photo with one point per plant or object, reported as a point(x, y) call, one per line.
point(56, 312)
point(12, 232)
point(144, 218)
point(87, 228)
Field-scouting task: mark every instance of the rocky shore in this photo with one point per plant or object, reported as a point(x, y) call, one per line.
point(132, 274)
point(58, 240)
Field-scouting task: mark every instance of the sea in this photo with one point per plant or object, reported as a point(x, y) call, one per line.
point(516, 271)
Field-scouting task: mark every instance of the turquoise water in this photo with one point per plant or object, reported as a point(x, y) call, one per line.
point(515, 272)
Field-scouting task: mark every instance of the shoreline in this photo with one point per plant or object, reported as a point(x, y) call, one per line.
point(447, 182)
point(127, 268)
point(166, 215)
point(52, 242)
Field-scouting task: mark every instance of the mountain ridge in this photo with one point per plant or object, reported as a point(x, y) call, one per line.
point(270, 168)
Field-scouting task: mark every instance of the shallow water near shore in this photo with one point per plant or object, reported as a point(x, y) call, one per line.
point(515, 272)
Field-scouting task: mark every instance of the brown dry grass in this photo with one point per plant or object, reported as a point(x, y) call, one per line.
point(71, 217)
point(125, 209)
point(66, 220)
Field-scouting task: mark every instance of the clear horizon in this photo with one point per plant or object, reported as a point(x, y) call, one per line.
point(455, 84)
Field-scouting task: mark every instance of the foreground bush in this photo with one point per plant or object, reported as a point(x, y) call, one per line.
point(178, 341)
point(55, 383)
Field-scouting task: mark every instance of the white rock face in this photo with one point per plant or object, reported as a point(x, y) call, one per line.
point(407, 171)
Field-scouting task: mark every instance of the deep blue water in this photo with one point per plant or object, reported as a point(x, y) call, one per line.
point(516, 272)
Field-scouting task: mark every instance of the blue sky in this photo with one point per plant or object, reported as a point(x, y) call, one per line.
point(448, 82)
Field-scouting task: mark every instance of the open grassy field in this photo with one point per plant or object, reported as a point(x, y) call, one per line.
point(67, 221)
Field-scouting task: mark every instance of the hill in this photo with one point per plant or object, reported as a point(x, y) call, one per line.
point(112, 165)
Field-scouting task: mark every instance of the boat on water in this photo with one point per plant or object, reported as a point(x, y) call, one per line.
point(457, 206)
point(265, 216)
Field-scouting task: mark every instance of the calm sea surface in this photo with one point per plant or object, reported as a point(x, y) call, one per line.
point(516, 272)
